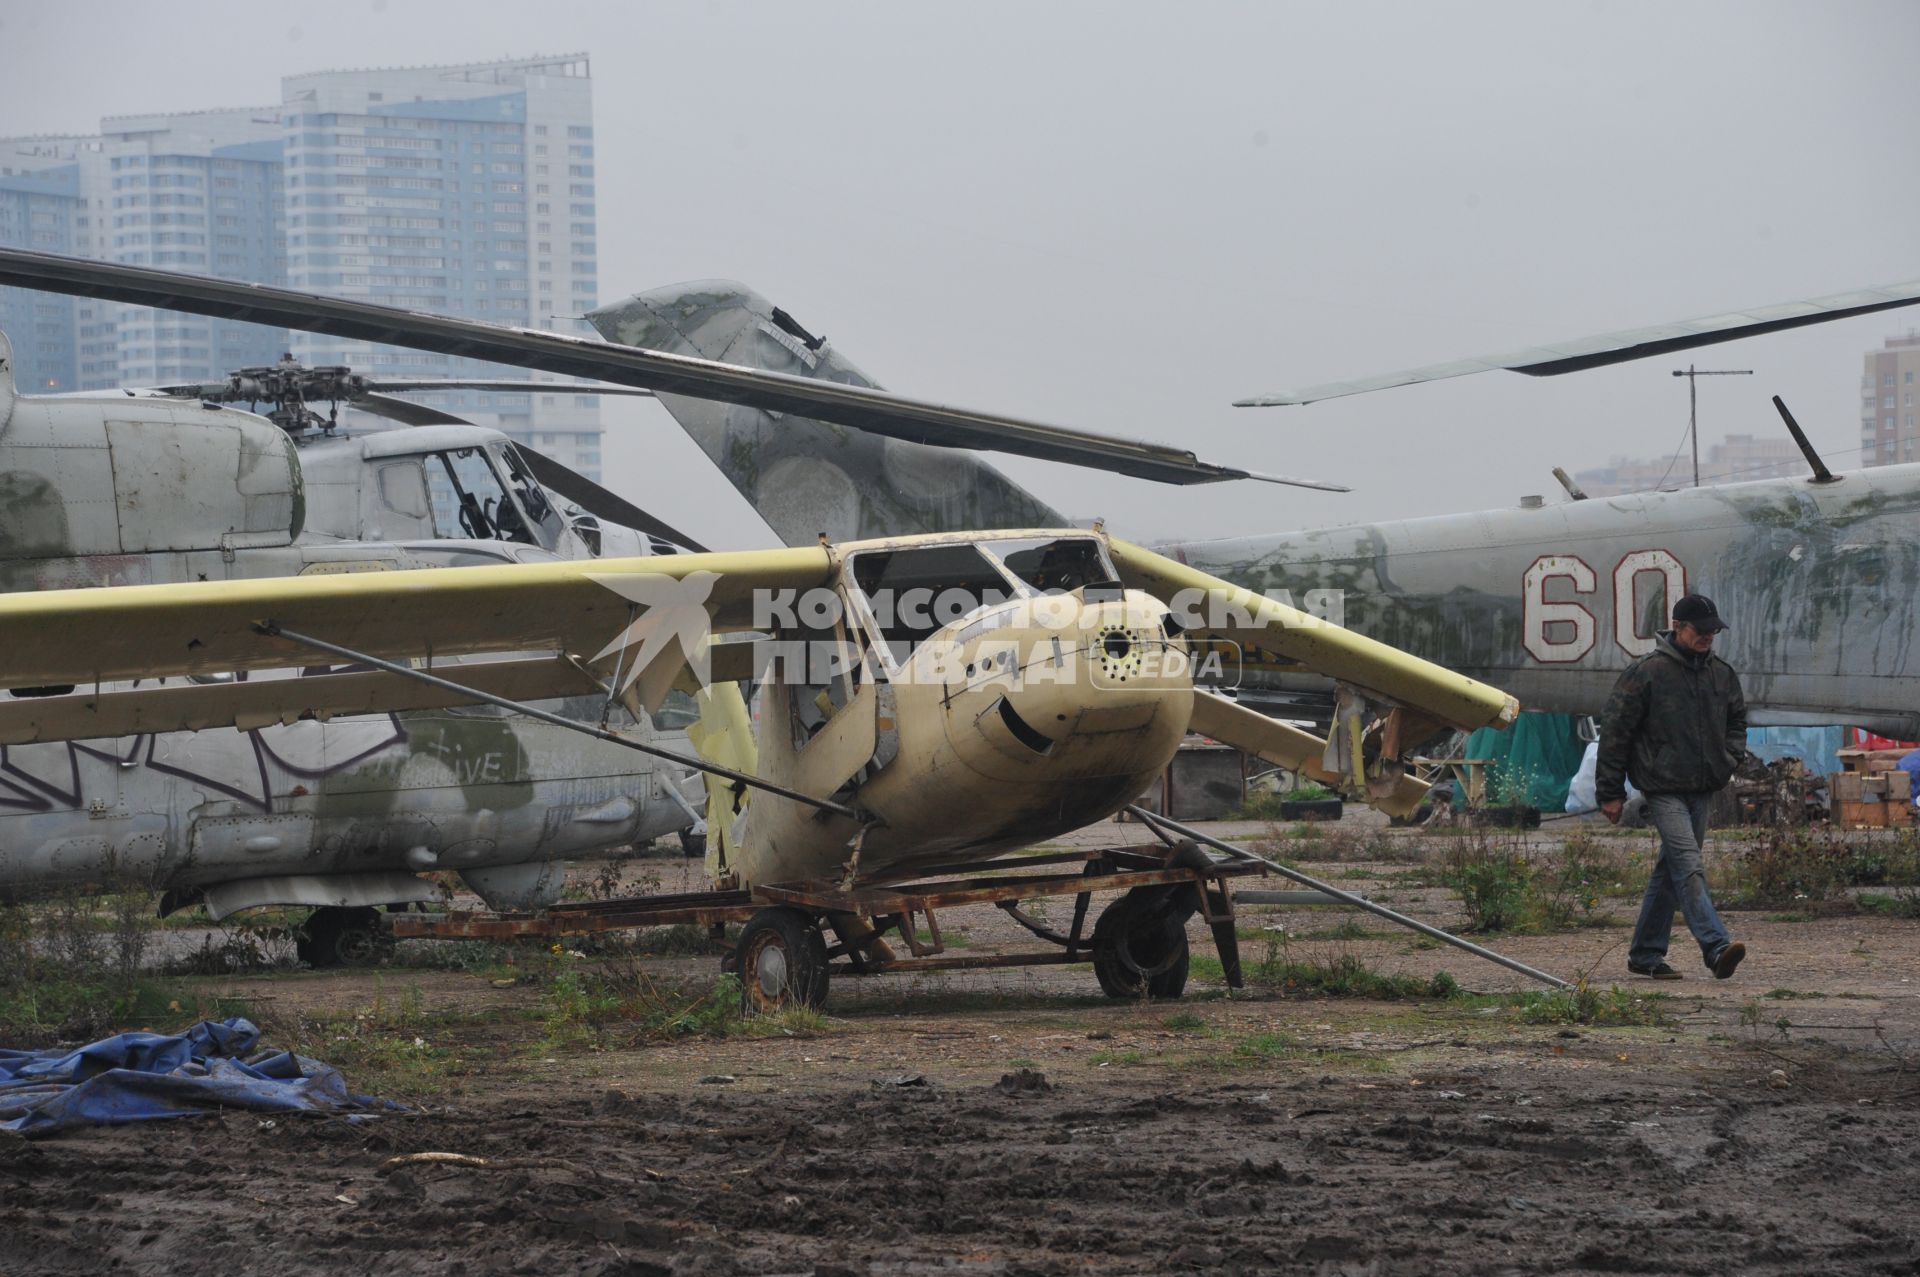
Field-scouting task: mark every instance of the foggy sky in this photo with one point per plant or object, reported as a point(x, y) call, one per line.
point(1123, 216)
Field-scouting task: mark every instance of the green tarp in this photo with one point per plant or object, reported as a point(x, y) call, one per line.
point(1533, 760)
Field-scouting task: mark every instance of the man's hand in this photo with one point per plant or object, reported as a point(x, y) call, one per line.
point(1611, 810)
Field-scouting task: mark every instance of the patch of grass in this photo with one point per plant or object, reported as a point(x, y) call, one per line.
point(1271, 1048)
point(1183, 1022)
point(1899, 904)
point(618, 1005)
point(952, 937)
point(1506, 886)
point(73, 969)
point(1345, 929)
point(1796, 867)
point(1265, 1046)
point(1343, 976)
point(1118, 1057)
point(1585, 1004)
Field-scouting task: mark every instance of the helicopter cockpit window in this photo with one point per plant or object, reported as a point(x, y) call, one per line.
point(532, 497)
point(1056, 565)
point(403, 489)
point(471, 502)
point(912, 593)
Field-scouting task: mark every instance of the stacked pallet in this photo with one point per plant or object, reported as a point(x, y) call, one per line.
point(1871, 792)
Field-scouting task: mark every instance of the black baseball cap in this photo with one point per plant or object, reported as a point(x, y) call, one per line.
point(1698, 611)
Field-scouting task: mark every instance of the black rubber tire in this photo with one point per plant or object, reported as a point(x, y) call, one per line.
point(782, 961)
point(333, 936)
point(693, 846)
point(1135, 953)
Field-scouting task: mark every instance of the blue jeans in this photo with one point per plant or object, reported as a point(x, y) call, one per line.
point(1679, 880)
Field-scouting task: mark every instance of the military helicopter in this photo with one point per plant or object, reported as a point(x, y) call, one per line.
point(340, 814)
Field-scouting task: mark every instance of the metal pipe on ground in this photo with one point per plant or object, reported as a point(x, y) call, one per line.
point(1348, 898)
point(1286, 898)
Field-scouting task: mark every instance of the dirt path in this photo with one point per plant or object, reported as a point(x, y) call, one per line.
point(1017, 1122)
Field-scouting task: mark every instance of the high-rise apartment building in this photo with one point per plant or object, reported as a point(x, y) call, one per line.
point(39, 209)
point(467, 190)
point(1888, 432)
point(197, 192)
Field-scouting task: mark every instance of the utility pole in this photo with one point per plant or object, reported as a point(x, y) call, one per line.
point(1693, 404)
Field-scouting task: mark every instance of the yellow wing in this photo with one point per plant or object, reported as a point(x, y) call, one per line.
point(193, 707)
point(83, 637)
point(1230, 611)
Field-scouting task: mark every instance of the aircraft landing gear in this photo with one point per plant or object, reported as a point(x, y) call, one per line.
point(333, 936)
point(782, 961)
point(693, 846)
point(1140, 943)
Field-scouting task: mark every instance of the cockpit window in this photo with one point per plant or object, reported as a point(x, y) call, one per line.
point(914, 592)
point(404, 489)
point(1060, 565)
point(533, 498)
point(471, 502)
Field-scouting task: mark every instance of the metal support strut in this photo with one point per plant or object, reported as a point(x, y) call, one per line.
point(272, 629)
point(1347, 897)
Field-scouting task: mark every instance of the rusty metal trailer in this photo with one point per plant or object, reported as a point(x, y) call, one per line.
point(797, 935)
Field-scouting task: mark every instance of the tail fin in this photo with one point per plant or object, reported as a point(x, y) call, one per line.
point(804, 477)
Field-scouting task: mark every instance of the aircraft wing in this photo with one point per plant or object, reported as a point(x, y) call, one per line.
point(1624, 346)
point(662, 607)
point(878, 411)
point(1221, 609)
point(193, 707)
point(1286, 746)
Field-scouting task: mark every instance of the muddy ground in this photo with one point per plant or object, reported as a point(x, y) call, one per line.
point(1018, 1122)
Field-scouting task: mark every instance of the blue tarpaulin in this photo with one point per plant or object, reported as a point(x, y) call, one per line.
point(136, 1077)
point(1817, 747)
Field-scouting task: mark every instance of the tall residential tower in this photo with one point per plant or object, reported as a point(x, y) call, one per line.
point(1888, 433)
point(467, 190)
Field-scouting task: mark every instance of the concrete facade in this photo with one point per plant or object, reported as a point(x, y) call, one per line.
point(1889, 419)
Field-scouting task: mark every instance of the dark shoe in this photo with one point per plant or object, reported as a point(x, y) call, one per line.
point(1729, 958)
point(1659, 971)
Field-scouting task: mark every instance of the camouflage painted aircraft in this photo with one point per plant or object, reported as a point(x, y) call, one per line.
point(1819, 578)
point(924, 700)
point(334, 812)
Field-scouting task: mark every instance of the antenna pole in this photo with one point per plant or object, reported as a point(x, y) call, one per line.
point(1693, 404)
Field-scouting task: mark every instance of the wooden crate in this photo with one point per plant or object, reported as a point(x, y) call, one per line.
point(1854, 814)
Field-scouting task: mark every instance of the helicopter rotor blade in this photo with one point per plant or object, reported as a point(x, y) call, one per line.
point(216, 391)
point(596, 500)
point(498, 386)
point(404, 411)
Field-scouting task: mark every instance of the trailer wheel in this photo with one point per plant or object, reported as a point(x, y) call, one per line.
point(333, 936)
point(782, 960)
point(1140, 946)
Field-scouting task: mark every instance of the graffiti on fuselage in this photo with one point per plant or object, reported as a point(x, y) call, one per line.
point(243, 766)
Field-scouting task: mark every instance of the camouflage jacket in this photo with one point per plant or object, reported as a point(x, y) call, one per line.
point(1676, 724)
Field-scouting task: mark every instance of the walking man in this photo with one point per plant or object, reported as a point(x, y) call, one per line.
point(1677, 724)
